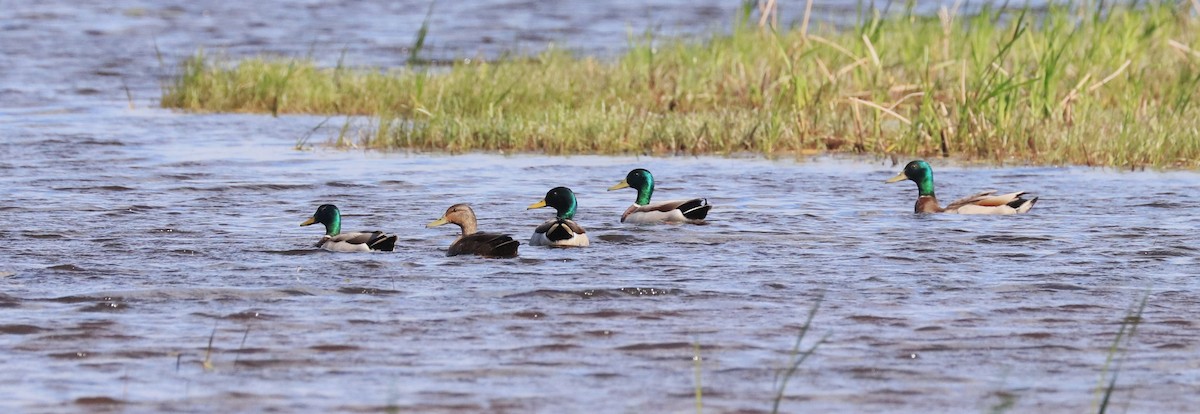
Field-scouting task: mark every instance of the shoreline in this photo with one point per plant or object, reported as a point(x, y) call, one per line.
point(1052, 88)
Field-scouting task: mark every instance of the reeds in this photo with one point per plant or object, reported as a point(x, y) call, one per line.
point(1117, 354)
point(797, 356)
point(1108, 86)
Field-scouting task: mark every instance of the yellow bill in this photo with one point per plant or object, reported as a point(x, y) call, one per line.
point(437, 222)
point(310, 220)
point(897, 178)
point(620, 185)
point(538, 204)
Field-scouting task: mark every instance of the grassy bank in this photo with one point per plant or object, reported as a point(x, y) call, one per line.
point(1064, 85)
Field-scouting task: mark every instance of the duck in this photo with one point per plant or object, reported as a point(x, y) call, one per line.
point(643, 212)
point(560, 231)
point(471, 242)
point(986, 202)
point(357, 241)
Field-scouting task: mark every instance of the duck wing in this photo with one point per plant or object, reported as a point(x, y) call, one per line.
point(485, 244)
point(375, 240)
point(559, 229)
point(988, 203)
point(675, 210)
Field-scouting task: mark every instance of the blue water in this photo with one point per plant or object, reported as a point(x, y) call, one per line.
point(138, 236)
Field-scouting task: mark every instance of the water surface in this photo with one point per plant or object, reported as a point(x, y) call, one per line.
point(132, 235)
point(138, 237)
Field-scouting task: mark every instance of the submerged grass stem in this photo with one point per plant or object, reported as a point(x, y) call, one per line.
point(798, 356)
point(1117, 354)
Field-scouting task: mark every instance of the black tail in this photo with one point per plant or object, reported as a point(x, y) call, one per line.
point(1021, 201)
point(383, 243)
point(560, 230)
point(507, 247)
point(695, 209)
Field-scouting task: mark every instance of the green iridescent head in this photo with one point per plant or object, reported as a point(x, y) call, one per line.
point(919, 172)
point(641, 180)
point(562, 199)
point(330, 216)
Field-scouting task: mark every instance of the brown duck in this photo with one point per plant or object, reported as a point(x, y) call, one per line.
point(472, 242)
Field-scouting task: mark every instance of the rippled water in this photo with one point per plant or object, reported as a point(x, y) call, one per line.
point(137, 237)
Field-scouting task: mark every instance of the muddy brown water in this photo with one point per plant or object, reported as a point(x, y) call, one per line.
point(135, 237)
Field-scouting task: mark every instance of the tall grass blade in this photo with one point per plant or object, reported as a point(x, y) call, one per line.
point(281, 88)
point(207, 364)
point(302, 142)
point(414, 52)
point(798, 356)
point(1117, 353)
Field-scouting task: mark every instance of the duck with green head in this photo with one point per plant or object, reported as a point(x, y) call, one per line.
point(643, 212)
point(357, 241)
point(985, 202)
point(561, 231)
point(472, 242)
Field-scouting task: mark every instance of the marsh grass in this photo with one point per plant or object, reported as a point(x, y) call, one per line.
point(302, 143)
point(1117, 354)
point(1007, 401)
point(1113, 85)
point(699, 387)
point(797, 357)
point(207, 364)
point(241, 347)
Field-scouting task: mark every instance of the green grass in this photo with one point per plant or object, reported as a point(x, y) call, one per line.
point(797, 357)
point(1117, 354)
point(1066, 85)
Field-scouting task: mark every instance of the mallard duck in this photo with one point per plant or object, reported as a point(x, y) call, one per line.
point(470, 242)
point(643, 212)
point(983, 203)
point(560, 231)
point(358, 241)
